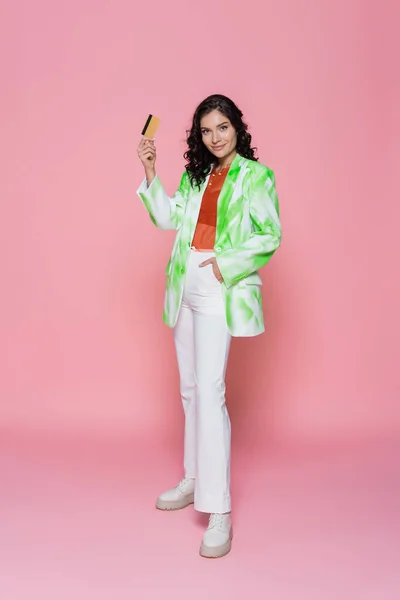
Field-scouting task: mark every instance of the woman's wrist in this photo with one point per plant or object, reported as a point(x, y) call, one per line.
point(150, 175)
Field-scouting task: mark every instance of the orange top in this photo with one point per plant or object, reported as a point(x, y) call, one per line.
point(204, 235)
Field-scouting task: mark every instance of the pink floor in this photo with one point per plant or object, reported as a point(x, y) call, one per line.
point(78, 522)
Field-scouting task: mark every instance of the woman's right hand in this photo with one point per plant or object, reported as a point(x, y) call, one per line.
point(147, 153)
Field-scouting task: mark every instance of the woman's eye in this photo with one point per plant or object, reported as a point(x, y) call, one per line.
point(204, 131)
point(224, 127)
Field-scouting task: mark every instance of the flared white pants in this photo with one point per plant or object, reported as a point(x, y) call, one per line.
point(202, 342)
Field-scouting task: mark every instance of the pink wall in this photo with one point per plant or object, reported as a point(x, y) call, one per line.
point(83, 345)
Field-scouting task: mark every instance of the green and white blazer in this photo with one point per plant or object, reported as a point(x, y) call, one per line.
point(247, 235)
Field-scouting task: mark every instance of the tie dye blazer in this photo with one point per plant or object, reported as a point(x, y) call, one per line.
point(247, 235)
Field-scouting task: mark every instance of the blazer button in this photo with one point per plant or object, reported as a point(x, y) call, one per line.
point(218, 249)
point(182, 271)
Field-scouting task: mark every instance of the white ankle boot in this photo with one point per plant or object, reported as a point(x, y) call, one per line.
point(217, 539)
point(179, 497)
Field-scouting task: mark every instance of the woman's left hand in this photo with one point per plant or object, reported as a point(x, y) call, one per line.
point(213, 261)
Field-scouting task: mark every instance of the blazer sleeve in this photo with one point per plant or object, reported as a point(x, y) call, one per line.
point(255, 252)
point(165, 212)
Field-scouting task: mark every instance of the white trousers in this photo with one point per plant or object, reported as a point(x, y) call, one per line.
point(202, 342)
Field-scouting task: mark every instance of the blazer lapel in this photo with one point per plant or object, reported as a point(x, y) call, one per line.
point(226, 193)
point(195, 203)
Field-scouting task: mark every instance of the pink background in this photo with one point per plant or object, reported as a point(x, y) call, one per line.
point(84, 350)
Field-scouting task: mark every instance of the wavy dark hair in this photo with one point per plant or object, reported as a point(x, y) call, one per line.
point(199, 158)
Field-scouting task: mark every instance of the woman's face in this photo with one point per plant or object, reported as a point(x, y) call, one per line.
point(219, 135)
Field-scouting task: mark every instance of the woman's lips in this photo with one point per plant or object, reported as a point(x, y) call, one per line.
point(218, 147)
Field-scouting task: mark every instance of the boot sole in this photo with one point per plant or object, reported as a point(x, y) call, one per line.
point(218, 551)
point(175, 504)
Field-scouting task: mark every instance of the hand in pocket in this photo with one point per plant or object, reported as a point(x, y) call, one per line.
point(213, 261)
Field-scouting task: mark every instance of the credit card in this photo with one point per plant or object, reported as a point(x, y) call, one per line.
point(150, 127)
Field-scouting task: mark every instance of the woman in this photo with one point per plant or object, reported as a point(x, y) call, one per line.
point(227, 219)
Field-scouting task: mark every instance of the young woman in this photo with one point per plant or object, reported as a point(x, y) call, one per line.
point(227, 219)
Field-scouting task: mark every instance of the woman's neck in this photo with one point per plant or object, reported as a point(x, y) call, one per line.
point(226, 161)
